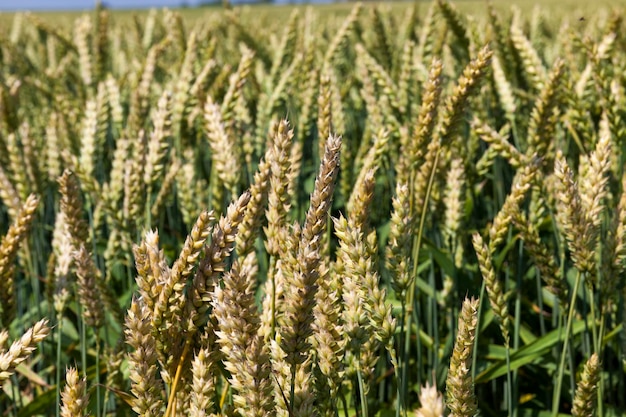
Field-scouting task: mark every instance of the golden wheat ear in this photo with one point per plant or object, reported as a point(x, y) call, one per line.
point(585, 400)
point(74, 398)
point(20, 349)
point(460, 397)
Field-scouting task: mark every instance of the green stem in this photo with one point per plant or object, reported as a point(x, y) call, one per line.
point(417, 242)
point(83, 342)
point(17, 396)
point(601, 380)
point(345, 405)
point(597, 341)
point(34, 281)
point(517, 322)
point(148, 209)
point(396, 370)
point(594, 329)
point(560, 371)
point(98, 400)
point(405, 354)
point(542, 321)
point(292, 392)
point(401, 364)
point(509, 380)
point(58, 364)
point(359, 376)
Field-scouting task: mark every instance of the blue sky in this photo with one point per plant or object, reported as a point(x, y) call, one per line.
point(88, 4)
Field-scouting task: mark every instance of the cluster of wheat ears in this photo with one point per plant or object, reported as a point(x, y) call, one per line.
point(403, 211)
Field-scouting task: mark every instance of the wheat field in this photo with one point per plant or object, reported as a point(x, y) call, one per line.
point(405, 210)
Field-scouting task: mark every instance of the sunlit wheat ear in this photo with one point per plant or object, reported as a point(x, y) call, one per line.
point(454, 107)
point(451, 119)
point(59, 274)
point(157, 143)
point(498, 142)
point(278, 199)
point(184, 77)
point(337, 106)
point(521, 184)
point(164, 286)
point(324, 111)
point(375, 108)
point(304, 126)
point(460, 397)
point(139, 99)
point(114, 102)
point(82, 28)
point(327, 340)
point(74, 398)
point(16, 170)
point(592, 184)
point(371, 163)
point(134, 196)
point(8, 194)
point(249, 229)
point(342, 34)
point(614, 249)
point(165, 191)
point(406, 65)
point(223, 149)
point(456, 23)
point(359, 265)
point(585, 400)
point(86, 160)
point(244, 351)
point(258, 395)
point(113, 189)
point(203, 388)
point(353, 311)
point(192, 249)
point(504, 89)
point(534, 71)
point(544, 260)
point(453, 198)
point(9, 247)
point(288, 44)
point(422, 180)
point(185, 178)
point(31, 161)
point(544, 115)
point(146, 385)
point(572, 219)
point(87, 288)
point(20, 349)
point(72, 206)
point(302, 283)
point(361, 198)
point(236, 83)
point(149, 264)
point(214, 261)
point(381, 43)
point(381, 77)
point(431, 402)
point(497, 297)
point(399, 243)
point(428, 34)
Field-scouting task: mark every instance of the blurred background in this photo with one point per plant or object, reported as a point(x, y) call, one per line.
point(6, 5)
